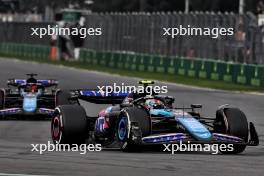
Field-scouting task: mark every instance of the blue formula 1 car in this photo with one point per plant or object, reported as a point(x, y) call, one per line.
point(140, 119)
point(30, 97)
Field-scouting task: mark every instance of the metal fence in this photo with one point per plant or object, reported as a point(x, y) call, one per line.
point(20, 32)
point(143, 33)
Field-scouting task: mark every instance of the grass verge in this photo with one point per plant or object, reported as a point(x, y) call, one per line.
point(220, 85)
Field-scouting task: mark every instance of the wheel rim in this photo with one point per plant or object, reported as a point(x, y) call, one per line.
point(122, 131)
point(56, 129)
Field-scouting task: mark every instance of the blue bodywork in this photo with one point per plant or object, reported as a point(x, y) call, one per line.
point(192, 125)
point(30, 101)
point(92, 93)
point(195, 128)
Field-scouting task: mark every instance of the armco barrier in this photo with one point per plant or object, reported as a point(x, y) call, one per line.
point(197, 68)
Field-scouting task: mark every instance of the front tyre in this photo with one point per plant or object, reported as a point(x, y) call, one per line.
point(133, 124)
point(232, 121)
point(69, 125)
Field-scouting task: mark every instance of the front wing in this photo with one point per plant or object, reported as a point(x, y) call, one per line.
point(19, 111)
point(217, 138)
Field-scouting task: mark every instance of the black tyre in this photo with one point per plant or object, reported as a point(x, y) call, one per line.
point(233, 122)
point(63, 98)
point(133, 124)
point(69, 125)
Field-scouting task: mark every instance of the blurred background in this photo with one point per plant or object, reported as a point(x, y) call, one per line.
point(136, 26)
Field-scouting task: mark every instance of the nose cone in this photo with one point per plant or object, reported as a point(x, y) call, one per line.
point(195, 128)
point(30, 103)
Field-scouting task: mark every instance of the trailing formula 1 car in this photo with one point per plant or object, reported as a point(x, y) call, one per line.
point(31, 97)
point(140, 119)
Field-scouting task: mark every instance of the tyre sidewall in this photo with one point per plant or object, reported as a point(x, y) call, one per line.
point(73, 124)
point(234, 122)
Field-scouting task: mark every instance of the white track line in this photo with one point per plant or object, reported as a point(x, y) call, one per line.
point(6, 174)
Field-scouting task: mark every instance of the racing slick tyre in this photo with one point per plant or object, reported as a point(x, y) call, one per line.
point(232, 121)
point(133, 124)
point(63, 98)
point(69, 125)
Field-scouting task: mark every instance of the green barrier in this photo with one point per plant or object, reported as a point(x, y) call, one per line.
point(205, 69)
point(98, 58)
point(171, 68)
point(140, 66)
point(157, 60)
point(108, 56)
point(248, 74)
point(126, 61)
point(186, 67)
point(112, 61)
point(191, 68)
point(131, 59)
point(89, 55)
point(136, 63)
point(163, 65)
point(19, 51)
point(93, 57)
point(160, 64)
point(43, 53)
point(242, 74)
point(183, 65)
point(145, 60)
point(178, 63)
point(239, 74)
point(217, 71)
point(38, 52)
point(133, 62)
point(121, 61)
point(214, 70)
point(255, 75)
point(150, 63)
point(82, 55)
point(115, 60)
point(101, 59)
point(1, 48)
point(201, 69)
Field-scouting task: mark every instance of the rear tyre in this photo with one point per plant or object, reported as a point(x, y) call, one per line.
point(233, 122)
point(133, 124)
point(69, 125)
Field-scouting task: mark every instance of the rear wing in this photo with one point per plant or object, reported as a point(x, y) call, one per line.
point(100, 97)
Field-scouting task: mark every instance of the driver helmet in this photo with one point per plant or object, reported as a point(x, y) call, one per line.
point(155, 104)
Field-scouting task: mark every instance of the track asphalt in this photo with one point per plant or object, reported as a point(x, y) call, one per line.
point(16, 136)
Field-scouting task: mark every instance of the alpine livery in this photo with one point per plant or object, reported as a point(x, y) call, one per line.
point(137, 119)
point(30, 97)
